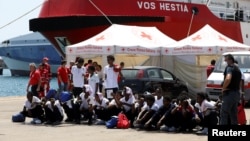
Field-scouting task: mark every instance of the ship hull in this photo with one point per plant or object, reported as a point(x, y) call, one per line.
point(21, 68)
point(17, 53)
point(177, 20)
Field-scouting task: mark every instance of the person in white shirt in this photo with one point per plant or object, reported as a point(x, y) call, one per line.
point(84, 105)
point(127, 103)
point(53, 112)
point(145, 115)
point(111, 72)
point(33, 108)
point(158, 96)
point(101, 106)
point(93, 79)
point(207, 109)
point(78, 76)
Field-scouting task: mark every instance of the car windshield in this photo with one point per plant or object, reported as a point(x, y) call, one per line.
point(243, 62)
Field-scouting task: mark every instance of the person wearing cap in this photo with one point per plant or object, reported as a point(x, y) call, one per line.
point(84, 105)
point(34, 80)
point(44, 80)
point(47, 66)
point(78, 76)
point(127, 104)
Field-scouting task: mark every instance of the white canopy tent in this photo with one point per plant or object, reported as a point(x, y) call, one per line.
point(184, 56)
point(205, 41)
point(123, 39)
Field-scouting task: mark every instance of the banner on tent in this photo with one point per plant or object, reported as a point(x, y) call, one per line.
point(138, 50)
point(90, 50)
point(188, 50)
point(221, 50)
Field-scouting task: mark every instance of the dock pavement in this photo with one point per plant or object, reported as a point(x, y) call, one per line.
point(10, 131)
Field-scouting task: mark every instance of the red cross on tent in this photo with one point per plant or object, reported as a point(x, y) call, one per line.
point(108, 49)
point(144, 35)
point(123, 49)
point(198, 37)
point(209, 49)
point(70, 49)
point(166, 50)
point(223, 39)
point(100, 38)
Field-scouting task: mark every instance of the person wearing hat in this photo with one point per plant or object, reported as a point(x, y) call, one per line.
point(47, 66)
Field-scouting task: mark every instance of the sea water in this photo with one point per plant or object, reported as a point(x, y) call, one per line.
point(16, 85)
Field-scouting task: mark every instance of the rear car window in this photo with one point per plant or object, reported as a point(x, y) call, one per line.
point(130, 73)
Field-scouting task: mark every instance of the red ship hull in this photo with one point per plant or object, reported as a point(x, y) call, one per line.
point(78, 20)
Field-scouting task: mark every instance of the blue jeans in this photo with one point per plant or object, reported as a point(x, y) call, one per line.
point(63, 86)
point(229, 111)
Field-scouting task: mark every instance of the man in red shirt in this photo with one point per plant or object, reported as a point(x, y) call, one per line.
point(47, 66)
point(63, 77)
point(44, 80)
point(210, 68)
point(34, 81)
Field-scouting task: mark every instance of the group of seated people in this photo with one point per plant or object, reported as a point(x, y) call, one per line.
point(150, 112)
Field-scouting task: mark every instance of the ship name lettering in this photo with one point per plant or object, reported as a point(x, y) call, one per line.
point(146, 5)
point(173, 7)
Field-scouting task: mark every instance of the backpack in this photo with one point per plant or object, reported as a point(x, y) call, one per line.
point(18, 117)
point(112, 123)
point(123, 122)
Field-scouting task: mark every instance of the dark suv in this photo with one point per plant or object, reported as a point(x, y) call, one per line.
point(146, 78)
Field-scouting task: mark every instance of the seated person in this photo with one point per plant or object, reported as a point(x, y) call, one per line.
point(67, 103)
point(113, 108)
point(158, 96)
point(140, 105)
point(145, 115)
point(184, 114)
point(84, 106)
point(163, 116)
point(101, 106)
point(53, 112)
point(209, 114)
point(127, 104)
point(33, 108)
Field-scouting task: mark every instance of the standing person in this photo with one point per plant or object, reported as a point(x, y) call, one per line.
point(210, 67)
point(47, 66)
point(34, 80)
point(120, 76)
point(78, 73)
point(93, 79)
point(230, 92)
point(100, 75)
point(62, 77)
point(44, 80)
point(111, 72)
point(71, 63)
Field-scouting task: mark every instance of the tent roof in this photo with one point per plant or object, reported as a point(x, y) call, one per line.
point(123, 39)
point(205, 41)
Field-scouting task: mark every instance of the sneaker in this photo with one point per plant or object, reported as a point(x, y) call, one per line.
point(203, 132)
point(33, 121)
point(38, 121)
point(56, 122)
point(172, 129)
point(164, 128)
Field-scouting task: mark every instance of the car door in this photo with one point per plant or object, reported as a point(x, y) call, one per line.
point(170, 84)
point(154, 79)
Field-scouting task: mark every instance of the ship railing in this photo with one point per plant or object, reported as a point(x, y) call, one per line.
point(231, 14)
point(224, 13)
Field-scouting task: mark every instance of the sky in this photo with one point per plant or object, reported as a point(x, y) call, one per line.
point(11, 10)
